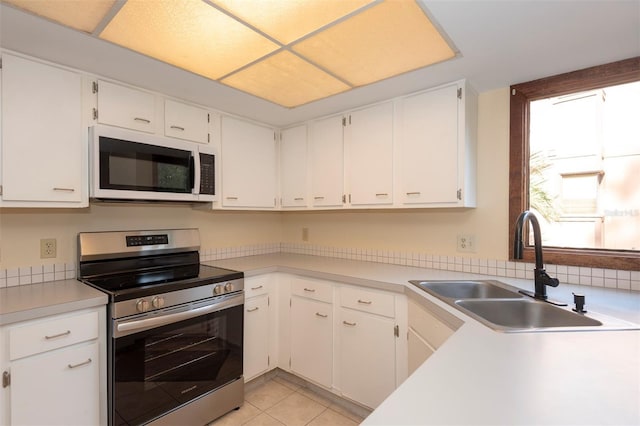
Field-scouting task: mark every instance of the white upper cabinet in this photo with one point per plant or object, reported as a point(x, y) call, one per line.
point(293, 167)
point(249, 165)
point(126, 107)
point(327, 162)
point(44, 145)
point(369, 155)
point(187, 122)
point(436, 148)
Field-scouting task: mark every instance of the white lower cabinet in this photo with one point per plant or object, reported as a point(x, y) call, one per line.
point(368, 335)
point(312, 337)
point(54, 371)
point(429, 328)
point(259, 326)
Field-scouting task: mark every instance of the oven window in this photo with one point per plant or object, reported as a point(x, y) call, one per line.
point(136, 166)
point(158, 370)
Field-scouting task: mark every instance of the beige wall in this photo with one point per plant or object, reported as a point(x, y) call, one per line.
point(22, 229)
point(431, 231)
point(421, 231)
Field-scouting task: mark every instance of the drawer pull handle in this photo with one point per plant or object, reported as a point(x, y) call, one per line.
point(144, 120)
point(256, 288)
point(232, 198)
point(80, 364)
point(298, 199)
point(350, 324)
point(318, 198)
point(310, 290)
point(64, 189)
point(318, 314)
point(364, 302)
point(66, 333)
point(178, 128)
point(382, 194)
point(253, 309)
point(413, 193)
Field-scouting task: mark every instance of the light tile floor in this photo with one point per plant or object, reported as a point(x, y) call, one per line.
point(281, 402)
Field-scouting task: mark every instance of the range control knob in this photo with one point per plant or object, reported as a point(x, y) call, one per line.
point(157, 302)
point(218, 289)
point(142, 305)
point(228, 287)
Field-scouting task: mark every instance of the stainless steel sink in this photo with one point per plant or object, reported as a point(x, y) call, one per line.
point(523, 314)
point(466, 289)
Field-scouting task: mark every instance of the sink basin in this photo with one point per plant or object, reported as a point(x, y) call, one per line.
point(466, 290)
point(507, 315)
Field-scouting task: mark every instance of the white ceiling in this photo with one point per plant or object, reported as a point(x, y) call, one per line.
point(500, 43)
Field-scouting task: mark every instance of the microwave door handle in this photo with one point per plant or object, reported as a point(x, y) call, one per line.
point(193, 176)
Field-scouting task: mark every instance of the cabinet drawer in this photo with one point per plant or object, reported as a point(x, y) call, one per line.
point(368, 301)
point(255, 286)
point(51, 334)
point(312, 289)
point(427, 325)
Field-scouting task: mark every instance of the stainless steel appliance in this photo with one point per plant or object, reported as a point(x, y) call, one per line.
point(127, 165)
point(175, 326)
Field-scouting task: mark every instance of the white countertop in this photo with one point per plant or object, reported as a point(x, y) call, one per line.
point(480, 376)
point(26, 302)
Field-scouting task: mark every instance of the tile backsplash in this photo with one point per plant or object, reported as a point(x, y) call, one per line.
point(596, 277)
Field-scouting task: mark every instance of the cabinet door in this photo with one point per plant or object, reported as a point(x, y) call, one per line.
point(256, 336)
point(367, 357)
point(428, 147)
point(327, 162)
point(248, 165)
point(43, 141)
point(293, 167)
point(369, 155)
point(186, 122)
point(125, 107)
point(312, 340)
point(60, 387)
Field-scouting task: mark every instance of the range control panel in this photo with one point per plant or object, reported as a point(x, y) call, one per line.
point(146, 240)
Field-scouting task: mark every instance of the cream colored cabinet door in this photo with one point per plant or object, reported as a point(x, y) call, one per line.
point(326, 162)
point(186, 122)
point(367, 356)
point(43, 140)
point(312, 340)
point(126, 107)
point(369, 155)
point(436, 148)
point(256, 336)
point(59, 387)
point(293, 167)
point(249, 165)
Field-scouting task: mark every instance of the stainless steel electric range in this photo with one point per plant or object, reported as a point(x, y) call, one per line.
point(175, 326)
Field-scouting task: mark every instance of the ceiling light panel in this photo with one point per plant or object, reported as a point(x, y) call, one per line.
point(388, 39)
point(289, 20)
point(287, 80)
point(81, 15)
point(188, 34)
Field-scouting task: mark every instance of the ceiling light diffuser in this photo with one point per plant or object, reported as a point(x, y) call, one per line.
point(188, 34)
point(388, 39)
point(287, 80)
point(81, 15)
point(289, 20)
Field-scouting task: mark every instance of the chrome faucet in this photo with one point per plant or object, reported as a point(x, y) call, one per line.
point(541, 278)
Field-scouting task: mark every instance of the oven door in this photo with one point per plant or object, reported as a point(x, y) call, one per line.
point(163, 361)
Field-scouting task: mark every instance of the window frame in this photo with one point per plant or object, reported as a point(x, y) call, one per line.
point(597, 77)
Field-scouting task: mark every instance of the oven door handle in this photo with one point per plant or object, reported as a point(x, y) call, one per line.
point(129, 327)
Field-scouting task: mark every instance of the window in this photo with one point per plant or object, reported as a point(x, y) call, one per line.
point(576, 196)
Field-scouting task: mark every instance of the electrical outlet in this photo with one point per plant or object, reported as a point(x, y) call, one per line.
point(305, 234)
point(466, 243)
point(48, 248)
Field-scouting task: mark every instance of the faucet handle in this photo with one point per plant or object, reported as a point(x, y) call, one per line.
point(548, 280)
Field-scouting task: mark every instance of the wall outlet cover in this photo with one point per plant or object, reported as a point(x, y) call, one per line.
point(48, 248)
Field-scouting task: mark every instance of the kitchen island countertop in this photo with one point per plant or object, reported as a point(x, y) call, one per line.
point(480, 376)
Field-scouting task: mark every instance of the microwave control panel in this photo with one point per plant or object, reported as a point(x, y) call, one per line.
point(207, 174)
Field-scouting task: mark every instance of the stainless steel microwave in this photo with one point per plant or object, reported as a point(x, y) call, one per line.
point(127, 165)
